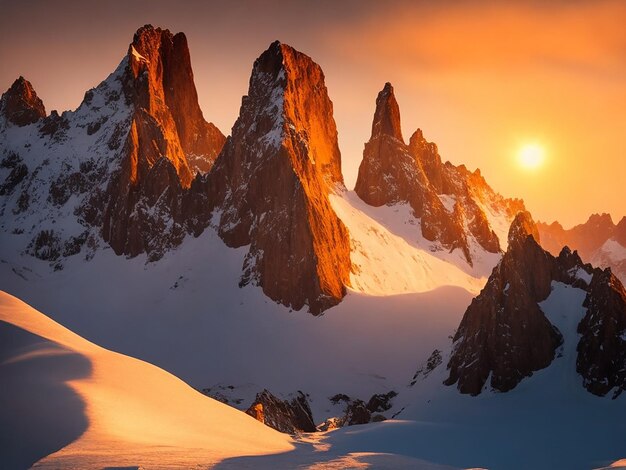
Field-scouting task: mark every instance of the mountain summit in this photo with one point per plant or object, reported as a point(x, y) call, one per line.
point(167, 131)
point(162, 84)
point(451, 203)
point(20, 105)
point(271, 183)
point(387, 115)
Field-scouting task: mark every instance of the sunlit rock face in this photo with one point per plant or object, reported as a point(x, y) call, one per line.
point(504, 335)
point(270, 184)
point(115, 169)
point(166, 126)
point(450, 201)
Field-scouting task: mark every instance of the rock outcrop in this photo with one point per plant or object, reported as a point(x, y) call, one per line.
point(271, 183)
point(449, 201)
point(288, 416)
point(601, 350)
point(357, 411)
point(20, 105)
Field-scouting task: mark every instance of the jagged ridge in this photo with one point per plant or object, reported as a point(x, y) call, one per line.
point(446, 199)
point(505, 336)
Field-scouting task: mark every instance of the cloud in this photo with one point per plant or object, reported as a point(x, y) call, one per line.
point(583, 36)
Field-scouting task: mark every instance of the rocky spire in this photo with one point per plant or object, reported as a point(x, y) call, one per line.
point(20, 105)
point(166, 59)
point(392, 172)
point(166, 127)
point(272, 180)
point(504, 333)
point(427, 155)
point(167, 115)
point(387, 115)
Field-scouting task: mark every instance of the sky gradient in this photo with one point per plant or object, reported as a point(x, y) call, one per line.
point(480, 78)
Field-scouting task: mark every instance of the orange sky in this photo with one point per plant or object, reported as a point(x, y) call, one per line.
point(480, 78)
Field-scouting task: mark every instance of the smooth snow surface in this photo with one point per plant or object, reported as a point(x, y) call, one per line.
point(110, 408)
point(106, 410)
point(390, 256)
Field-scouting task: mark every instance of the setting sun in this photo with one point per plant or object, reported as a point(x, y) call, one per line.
point(531, 156)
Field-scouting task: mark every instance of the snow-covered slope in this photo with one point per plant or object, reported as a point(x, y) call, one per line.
point(182, 311)
point(66, 158)
point(390, 256)
point(182, 316)
point(109, 408)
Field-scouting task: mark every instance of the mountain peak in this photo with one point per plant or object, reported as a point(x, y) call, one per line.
point(161, 83)
point(603, 219)
point(392, 172)
point(290, 90)
point(20, 105)
point(387, 115)
point(272, 182)
point(522, 226)
point(168, 144)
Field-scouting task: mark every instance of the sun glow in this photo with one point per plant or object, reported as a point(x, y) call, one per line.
point(531, 156)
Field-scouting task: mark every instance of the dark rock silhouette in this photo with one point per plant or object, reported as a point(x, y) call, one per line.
point(20, 105)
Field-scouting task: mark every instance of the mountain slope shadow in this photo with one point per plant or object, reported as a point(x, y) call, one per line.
point(317, 451)
point(39, 412)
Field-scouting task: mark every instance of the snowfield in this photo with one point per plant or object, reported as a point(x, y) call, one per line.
point(106, 408)
point(390, 256)
point(186, 314)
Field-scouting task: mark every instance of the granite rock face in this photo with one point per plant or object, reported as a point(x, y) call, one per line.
point(271, 183)
point(504, 332)
point(166, 126)
point(602, 347)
